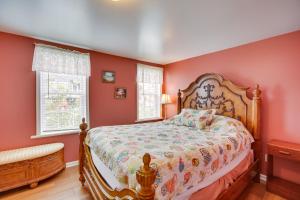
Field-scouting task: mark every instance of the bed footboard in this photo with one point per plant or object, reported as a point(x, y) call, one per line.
point(97, 185)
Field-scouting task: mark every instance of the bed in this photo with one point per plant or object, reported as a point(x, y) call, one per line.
point(161, 160)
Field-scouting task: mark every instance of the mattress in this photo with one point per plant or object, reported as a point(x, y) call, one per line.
point(115, 184)
point(186, 159)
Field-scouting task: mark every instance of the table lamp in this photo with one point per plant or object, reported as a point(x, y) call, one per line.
point(165, 99)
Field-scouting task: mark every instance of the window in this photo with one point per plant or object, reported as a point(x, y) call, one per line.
point(149, 89)
point(62, 87)
point(62, 101)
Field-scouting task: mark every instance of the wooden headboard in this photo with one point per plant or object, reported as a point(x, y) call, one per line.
point(214, 91)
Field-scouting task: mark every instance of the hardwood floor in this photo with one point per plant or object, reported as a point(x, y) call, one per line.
point(257, 191)
point(65, 186)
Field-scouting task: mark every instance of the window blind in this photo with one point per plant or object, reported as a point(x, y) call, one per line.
point(149, 81)
point(63, 101)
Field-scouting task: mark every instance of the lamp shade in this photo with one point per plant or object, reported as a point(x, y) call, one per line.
point(165, 99)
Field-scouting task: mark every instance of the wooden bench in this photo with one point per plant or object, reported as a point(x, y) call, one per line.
point(28, 166)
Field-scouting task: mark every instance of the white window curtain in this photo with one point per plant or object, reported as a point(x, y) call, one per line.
point(149, 74)
point(149, 81)
point(56, 60)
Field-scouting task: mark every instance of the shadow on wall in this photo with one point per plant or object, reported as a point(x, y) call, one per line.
point(272, 118)
point(275, 114)
point(274, 97)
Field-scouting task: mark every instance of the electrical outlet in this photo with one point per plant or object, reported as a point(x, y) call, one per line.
point(266, 157)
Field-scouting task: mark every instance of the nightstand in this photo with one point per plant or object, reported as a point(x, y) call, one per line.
point(285, 150)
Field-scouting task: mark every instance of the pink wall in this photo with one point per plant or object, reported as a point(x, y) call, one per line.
point(17, 88)
point(272, 63)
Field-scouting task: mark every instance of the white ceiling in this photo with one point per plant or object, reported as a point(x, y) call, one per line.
point(159, 31)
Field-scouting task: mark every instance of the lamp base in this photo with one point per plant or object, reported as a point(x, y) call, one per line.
point(165, 111)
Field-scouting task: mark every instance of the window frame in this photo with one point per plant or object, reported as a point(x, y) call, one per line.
point(39, 132)
point(137, 89)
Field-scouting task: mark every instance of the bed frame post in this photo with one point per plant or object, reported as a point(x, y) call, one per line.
point(256, 112)
point(179, 102)
point(145, 176)
point(256, 101)
point(83, 127)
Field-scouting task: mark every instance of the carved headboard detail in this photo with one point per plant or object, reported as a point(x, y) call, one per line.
point(213, 91)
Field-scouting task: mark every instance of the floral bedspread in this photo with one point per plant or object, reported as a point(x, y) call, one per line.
point(183, 156)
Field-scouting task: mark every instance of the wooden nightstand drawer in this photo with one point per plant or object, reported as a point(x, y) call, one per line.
point(284, 151)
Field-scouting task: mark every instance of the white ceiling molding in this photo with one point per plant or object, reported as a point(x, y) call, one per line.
point(158, 31)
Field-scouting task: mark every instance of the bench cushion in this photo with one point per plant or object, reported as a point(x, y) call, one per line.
point(28, 153)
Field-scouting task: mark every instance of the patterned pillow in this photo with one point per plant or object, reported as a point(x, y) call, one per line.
point(225, 123)
point(193, 118)
point(206, 117)
point(177, 120)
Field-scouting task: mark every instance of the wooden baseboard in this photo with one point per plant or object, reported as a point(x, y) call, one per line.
point(72, 164)
point(263, 178)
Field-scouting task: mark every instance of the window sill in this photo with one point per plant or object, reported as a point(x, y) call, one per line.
point(148, 120)
point(53, 134)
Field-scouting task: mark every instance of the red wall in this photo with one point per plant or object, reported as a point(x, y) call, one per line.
point(272, 63)
point(17, 89)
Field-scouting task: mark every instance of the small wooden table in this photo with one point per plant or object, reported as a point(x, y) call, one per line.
point(285, 150)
